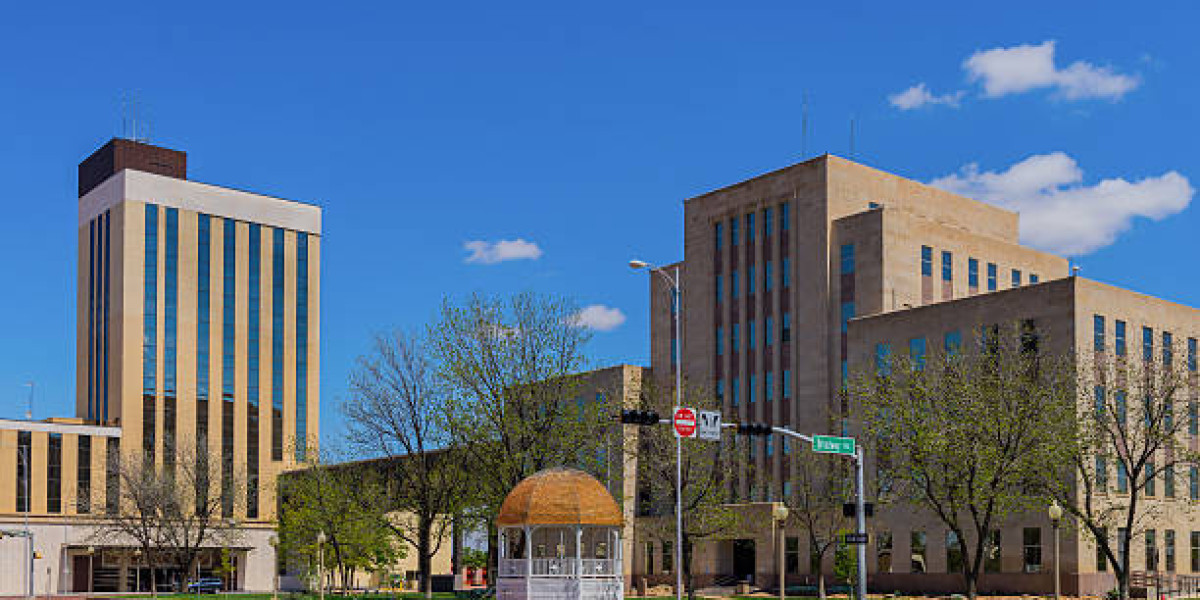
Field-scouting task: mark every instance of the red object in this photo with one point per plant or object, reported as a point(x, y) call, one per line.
point(685, 422)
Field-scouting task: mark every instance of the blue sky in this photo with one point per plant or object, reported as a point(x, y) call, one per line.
point(421, 127)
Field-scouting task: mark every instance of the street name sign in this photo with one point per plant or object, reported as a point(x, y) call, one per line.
point(708, 425)
point(684, 421)
point(829, 444)
point(855, 538)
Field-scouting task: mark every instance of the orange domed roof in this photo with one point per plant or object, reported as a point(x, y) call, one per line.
point(559, 497)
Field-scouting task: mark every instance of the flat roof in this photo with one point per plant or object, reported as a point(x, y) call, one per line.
point(43, 426)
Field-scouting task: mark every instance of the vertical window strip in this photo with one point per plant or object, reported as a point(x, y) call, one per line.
point(252, 370)
point(228, 361)
point(24, 472)
point(170, 328)
point(105, 302)
point(302, 345)
point(277, 290)
point(203, 325)
point(150, 333)
point(54, 474)
point(91, 334)
point(112, 476)
point(83, 475)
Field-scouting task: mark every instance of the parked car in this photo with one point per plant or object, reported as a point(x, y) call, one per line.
point(206, 585)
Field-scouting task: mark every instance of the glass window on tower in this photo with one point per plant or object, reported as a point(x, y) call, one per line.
point(926, 261)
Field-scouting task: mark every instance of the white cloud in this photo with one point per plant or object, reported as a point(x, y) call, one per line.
point(919, 95)
point(490, 253)
point(1018, 69)
point(600, 317)
point(1061, 214)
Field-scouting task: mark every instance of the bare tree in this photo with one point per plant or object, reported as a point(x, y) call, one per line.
point(821, 485)
point(397, 410)
point(1128, 445)
point(707, 490)
point(169, 511)
point(510, 367)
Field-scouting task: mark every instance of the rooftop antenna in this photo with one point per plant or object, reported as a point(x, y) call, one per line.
point(804, 127)
point(130, 128)
point(852, 156)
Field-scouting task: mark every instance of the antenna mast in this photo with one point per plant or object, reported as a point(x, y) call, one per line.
point(804, 127)
point(852, 138)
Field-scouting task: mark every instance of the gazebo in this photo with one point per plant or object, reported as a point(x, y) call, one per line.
point(560, 537)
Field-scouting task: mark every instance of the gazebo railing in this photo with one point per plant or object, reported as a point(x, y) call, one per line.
point(558, 567)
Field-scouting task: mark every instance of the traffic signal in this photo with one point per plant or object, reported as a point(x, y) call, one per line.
point(753, 429)
point(639, 417)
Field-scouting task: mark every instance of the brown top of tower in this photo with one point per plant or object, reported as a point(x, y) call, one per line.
point(120, 154)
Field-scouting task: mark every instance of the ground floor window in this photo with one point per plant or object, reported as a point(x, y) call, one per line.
point(883, 552)
point(991, 560)
point(792, 555)
point(954, 555)
point(1169, 549)
point(1196, 551)
point(1151, 550)
point(1101, 558)
point(1032, 549)
point(917, 544)
point(668, 558)
point(649, 558)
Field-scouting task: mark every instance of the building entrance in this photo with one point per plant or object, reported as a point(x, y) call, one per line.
point(743, 560)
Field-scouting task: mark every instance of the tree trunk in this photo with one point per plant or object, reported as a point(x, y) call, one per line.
point(424, 558)
point(689, 585)
point(493, 554)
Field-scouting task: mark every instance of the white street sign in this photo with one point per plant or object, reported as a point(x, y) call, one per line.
point(708, 425)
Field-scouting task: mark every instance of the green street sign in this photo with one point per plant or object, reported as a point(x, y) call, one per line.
point(833, 445)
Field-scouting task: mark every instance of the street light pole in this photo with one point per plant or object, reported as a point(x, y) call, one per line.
point(1056, 512)
point(677, 308)
point(779, 515)
point(321, 563)
point(28, 495)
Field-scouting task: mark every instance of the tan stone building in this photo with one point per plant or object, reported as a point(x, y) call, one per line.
point(791, 275)
point(198, 333)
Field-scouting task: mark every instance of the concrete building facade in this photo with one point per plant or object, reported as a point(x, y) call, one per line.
point(791, 277)
point(198, 334)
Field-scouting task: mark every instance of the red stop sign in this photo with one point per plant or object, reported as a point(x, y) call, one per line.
point(685, 422)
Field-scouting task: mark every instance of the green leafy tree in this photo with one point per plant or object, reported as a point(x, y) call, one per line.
point(509, 367)
point(966, 435)
point(334, 500)
point(845, 560)
point(1128, 445)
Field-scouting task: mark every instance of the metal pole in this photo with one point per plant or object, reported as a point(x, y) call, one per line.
point(1057, 583)
point(782, 542)
point(861, 516)
point(28, 494)
point(678, 440)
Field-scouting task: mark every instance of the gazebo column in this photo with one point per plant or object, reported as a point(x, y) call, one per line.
point(528, 562)
point(579, 555)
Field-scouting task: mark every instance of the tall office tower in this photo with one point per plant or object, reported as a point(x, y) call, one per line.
point(198, 321)
point(776, 266)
